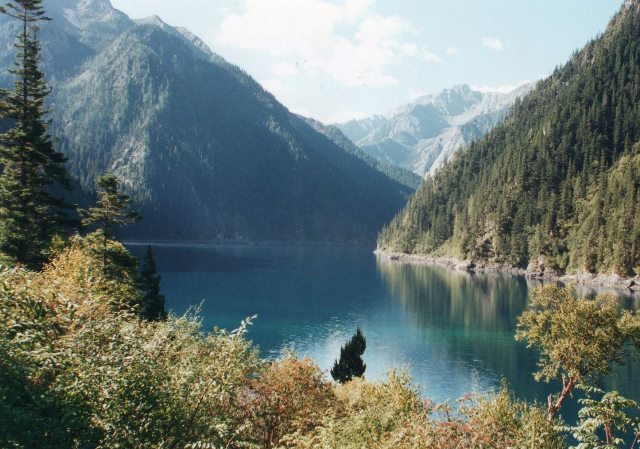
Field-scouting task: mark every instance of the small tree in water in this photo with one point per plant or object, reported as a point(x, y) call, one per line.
point(350, 364)
point(153, 308)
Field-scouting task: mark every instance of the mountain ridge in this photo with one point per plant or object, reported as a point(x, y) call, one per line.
point(205, 152)
point(420, 136)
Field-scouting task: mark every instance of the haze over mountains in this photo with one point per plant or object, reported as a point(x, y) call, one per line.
point(204, 150)
point(422, 135)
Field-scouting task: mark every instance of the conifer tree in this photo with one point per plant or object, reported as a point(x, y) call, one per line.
point(152, 308)
point(350, 364)
point(111, 210)
point(30, 215)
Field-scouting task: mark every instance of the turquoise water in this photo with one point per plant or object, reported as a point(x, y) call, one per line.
point(452, 331)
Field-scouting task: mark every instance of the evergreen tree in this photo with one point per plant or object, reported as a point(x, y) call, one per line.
point(350, 364)
point(30, 215)
point(152, 308)
point(111, 210)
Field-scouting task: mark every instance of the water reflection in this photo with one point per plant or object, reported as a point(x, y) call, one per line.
point(185, 258)
point(436, 297)
point(474, 317)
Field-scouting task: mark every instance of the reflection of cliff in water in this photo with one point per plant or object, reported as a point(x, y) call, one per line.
point(435, 296)
point(470, 316)
point(473, 317)
point(438, 297)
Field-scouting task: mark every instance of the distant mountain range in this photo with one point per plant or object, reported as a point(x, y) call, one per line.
point(420, 136)
point(203, 149)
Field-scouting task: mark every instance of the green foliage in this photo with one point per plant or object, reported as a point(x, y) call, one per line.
point(612, 416)
point(152, 307)
point(113, 380)
point(578, 339)
point(78, 368)
point(391, 415)
point(350, 363)
point(111, 209)
point(369, 415)
point(82, 262)
point(30, 215)
point(557, 185)
point(289, 398)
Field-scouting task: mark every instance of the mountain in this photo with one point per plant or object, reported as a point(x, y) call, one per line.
point(403, 176)
point(203, 149)
point(422, 135)
point(556, 186)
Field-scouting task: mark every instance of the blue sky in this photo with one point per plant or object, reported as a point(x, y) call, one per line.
point(339, 59)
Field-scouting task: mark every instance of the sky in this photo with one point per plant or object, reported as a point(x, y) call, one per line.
point(335, 60)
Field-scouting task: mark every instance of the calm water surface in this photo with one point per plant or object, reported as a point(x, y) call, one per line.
point(452, 331)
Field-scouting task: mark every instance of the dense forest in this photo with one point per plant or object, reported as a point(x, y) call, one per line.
point(557, 184)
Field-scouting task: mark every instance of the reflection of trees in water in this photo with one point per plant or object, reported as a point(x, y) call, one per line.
point(474, 317)
point(626, 298)
point(437, 297)
point(626, 378)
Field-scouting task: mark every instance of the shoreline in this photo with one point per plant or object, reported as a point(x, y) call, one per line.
point(608, 281)
point(242, 243)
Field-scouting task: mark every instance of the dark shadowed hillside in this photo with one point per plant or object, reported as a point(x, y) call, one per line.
point(205, 151)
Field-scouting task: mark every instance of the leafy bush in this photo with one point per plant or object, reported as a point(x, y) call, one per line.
point(83, 371)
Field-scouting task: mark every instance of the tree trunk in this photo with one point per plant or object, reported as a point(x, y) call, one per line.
point(554, 408)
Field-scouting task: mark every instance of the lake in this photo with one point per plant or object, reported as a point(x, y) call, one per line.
point(453, 331)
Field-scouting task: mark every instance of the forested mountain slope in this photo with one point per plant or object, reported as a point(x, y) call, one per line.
point(557, 184)
point(203, 149)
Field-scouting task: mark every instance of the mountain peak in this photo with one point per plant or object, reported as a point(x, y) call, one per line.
point(83, 13)
point(459, 89)
point(151, 20)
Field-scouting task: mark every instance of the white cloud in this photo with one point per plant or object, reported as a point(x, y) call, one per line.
point(451, 51)
point(285, 69)
point(300, 111)
point(346, 41)
point(411, 50)
point(500, 88)
point(355, 8)
point(273, 86)
point(493, 43)
point(431, 57)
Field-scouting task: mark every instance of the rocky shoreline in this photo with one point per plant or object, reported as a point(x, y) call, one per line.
point(535, 271)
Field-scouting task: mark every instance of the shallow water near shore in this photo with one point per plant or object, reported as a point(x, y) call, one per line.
point(453, 331)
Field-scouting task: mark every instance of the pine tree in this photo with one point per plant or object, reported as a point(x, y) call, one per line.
point(30, 215)
point(111, 210)
point(152, 308)
point(350, 364)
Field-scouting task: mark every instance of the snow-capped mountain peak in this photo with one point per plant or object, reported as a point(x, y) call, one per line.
point(423, 134)
point(83, 13)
